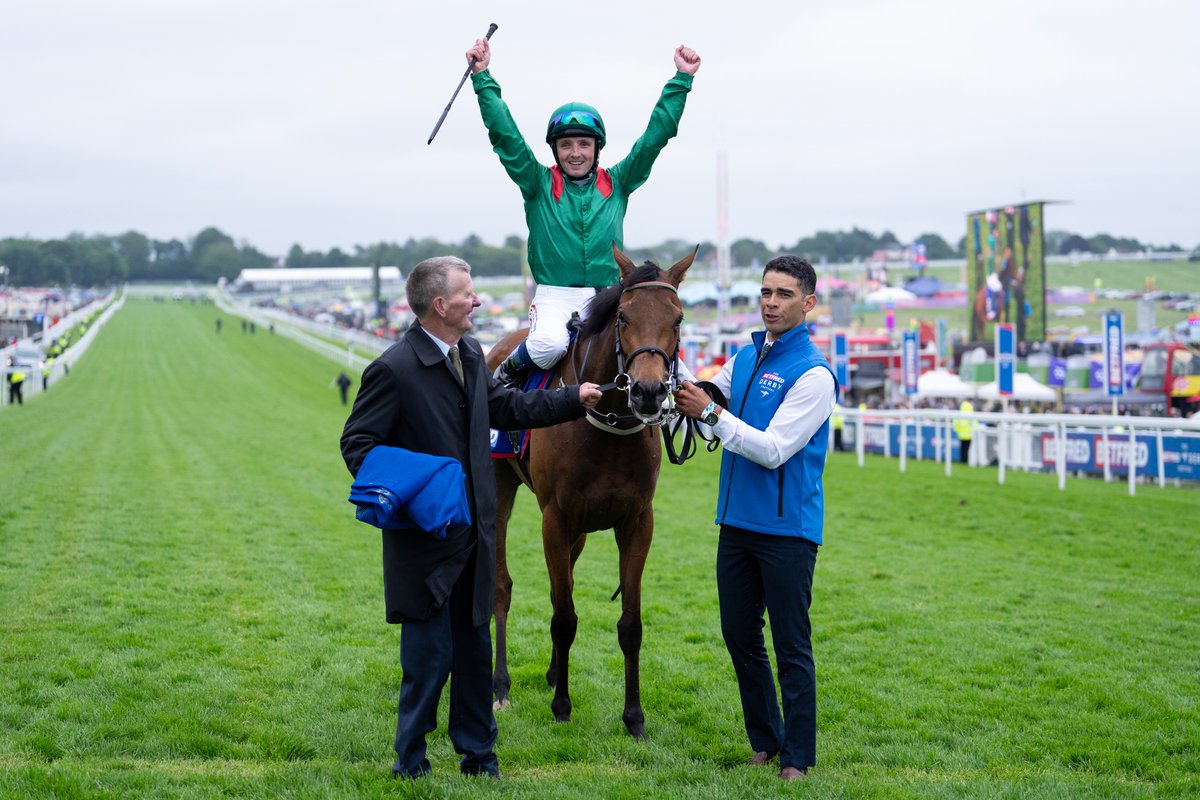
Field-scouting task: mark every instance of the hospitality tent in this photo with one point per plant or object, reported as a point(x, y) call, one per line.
point(1024, 388)
point(943, 383)
point(890, 294)
point(691, 294)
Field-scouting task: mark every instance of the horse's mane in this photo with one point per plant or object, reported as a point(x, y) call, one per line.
point(603, 306)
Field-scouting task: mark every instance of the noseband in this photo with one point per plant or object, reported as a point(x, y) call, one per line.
point(615, 422)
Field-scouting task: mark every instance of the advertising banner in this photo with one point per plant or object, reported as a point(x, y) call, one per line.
point(879, 437)
point(943, 342)
point(1114, 354)
point(1058, 372)
point(910, 366)
point(1006, 358)
point(1086, 453)
point(841, 361)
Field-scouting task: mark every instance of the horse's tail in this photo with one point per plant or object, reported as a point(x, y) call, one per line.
point(615, 594)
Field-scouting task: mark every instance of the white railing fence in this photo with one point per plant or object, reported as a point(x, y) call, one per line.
point(35, 381)
point(1159, 448)
point(309, 334)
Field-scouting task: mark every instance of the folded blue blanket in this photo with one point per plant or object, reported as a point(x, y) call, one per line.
point(397, 489)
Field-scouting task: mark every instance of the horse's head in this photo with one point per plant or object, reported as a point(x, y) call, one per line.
point(648, 316)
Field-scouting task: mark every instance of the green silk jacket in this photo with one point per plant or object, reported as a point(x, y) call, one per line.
point(572, 227)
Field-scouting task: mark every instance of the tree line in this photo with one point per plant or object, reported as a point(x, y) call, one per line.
point(212, 254)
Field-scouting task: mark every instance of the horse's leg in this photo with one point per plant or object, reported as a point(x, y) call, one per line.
point(576, 549)
point(633, 544)
point(561, 552)
point(507, 484)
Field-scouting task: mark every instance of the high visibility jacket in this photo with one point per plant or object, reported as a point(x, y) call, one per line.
point(965, 427)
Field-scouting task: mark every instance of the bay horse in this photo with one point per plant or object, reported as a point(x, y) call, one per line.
point(598, 472)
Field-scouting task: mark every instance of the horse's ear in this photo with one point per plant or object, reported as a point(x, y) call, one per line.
point(622, 261)
point(680, 268)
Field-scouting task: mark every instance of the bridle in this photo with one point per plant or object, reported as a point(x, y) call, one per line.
point(627, 424)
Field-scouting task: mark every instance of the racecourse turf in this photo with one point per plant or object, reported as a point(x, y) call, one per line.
point(189, 610)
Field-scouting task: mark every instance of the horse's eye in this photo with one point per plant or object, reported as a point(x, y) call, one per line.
point(679, 321)
point(621, 317)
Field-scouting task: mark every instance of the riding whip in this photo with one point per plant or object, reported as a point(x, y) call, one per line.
point(467, 74)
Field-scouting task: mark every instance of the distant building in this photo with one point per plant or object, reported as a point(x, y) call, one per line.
point(282, 281)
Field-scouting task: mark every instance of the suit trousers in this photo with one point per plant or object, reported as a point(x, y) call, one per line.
point(447, 645)
point(759, 572)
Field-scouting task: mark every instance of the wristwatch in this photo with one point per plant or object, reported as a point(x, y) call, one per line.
point(709, 415)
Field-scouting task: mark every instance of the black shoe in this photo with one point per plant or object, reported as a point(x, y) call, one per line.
point(509, 374)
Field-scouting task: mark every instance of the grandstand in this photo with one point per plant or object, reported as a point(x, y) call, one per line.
point(285, 280)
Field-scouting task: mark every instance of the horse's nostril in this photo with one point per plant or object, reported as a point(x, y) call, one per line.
point(648, 394)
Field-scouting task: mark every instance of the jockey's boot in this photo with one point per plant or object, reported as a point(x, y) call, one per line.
point(514, 368)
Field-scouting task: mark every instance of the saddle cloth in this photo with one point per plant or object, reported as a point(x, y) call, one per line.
point(515, 444)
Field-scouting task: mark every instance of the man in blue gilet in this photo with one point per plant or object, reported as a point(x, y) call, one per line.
point(771, 509)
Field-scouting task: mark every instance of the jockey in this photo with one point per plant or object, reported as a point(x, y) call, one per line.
point(576, 208)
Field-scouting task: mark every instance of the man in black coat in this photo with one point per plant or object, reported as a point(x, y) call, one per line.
point(414, 397)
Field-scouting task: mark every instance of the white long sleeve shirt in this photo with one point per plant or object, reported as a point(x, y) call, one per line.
point(808, 403)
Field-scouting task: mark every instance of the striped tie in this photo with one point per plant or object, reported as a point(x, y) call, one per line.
point(457, 362)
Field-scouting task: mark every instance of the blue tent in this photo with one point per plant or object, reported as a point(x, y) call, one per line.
point(925, 287)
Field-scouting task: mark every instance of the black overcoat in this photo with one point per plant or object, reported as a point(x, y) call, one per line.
point(410, 397)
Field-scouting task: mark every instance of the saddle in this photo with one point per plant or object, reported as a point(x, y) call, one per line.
point(515, 444)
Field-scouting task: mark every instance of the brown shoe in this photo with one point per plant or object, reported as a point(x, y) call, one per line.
point(793, 774)
point(761, 758)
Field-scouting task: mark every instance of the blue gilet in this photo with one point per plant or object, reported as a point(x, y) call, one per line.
point(788, 500)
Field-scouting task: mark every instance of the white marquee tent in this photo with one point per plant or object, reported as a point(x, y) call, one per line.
point(943, 383)
point(1024, 388)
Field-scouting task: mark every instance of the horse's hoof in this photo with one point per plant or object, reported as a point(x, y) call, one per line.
point(500, 705)
point(635, 723)
point(562, 717)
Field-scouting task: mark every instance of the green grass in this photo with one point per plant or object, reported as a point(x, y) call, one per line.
point(189, 610)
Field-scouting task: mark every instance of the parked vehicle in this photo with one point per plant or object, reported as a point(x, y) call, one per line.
point(1172, 369)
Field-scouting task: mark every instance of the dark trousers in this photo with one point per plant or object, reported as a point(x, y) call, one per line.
point(430, 652)
point(759, 572)
point(964, 450)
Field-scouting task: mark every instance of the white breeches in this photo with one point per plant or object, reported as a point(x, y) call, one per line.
point(549, 314)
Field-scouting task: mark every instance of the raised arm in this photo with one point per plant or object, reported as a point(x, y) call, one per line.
point(633, 170)
point(515, 156)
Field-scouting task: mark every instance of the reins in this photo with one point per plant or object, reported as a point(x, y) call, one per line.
point(692, 429)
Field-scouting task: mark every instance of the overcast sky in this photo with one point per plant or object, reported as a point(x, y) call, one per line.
point(284, 122)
